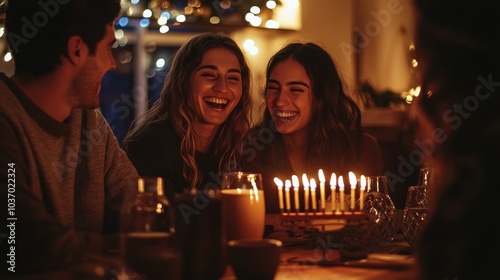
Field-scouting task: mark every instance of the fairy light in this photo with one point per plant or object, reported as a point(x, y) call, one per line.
point(269, 14)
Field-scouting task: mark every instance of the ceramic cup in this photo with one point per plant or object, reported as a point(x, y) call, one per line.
point(254, 258)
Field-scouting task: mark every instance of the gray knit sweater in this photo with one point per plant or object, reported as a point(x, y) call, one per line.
point(61, 176)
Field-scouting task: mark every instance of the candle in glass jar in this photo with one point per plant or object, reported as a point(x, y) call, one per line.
point(333, 185)
point(362, 184)
point(305, 182)
point(341, 190)
point(279, 183)
point(321, 177)
point(295, 183)
point(353, 183)
point(313, 194)
point(288, 185)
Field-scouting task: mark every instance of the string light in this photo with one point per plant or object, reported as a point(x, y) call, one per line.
point(164, 12)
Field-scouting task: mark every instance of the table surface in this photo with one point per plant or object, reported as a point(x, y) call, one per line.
point(376, 266)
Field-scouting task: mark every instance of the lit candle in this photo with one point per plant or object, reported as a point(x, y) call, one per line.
point(362, 183)
point(305, 182)
point(279, 183)
point(313, 194)
point(288, 185)
point(341, 190)
point(321, 178)
point(295, 183)
point(333, 185)
point(353, 182)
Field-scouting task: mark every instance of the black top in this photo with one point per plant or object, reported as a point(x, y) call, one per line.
point(156, 152)
point(369, 162)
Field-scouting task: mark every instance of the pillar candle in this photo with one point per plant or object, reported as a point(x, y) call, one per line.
point(333, 185)
point(341, 190)
point(353, 183)
point(321, 178)
point(305, 182)
point(288, 185)
point(362, 184)
point(313, 194)
point(279, 183)
point(295, 183)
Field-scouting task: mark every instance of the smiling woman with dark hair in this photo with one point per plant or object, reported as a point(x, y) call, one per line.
point(311, 123)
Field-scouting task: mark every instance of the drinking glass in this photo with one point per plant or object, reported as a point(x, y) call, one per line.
point(243, 205)
point(199, 234)
point(417, 206)
point(380, 208)
point(426, 177)
point(147, 230)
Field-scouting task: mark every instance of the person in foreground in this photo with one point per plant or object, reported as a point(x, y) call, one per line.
point(190, 134)
point(62, 167)
point(310, 123)
point(457, 47)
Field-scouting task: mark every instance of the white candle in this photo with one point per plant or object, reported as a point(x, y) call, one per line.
point(333, 185)
point(305, 182)
point(288, 185)
point(341, 190)
point(321, 178)
point(279, 183)
point(313, 194)
point(295, 183)
point(353, 182)
point(362, 183)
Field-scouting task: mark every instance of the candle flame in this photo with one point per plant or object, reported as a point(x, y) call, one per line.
point(321, 176)
point(278, 182)
point(362, 182)
point(341, 182)
point(352, 179)
point(313, 184)
point(288, 184)
point(305, 181)
point(333, 180)
point(295, 181)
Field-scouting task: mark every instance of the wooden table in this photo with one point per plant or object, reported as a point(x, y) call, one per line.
point(290, 268)
point(104, 268)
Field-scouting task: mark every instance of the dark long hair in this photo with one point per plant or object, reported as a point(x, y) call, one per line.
point(176, 105)
point(336, 117)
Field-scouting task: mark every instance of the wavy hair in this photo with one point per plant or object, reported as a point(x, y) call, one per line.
point(336, 117)
point(175, 103)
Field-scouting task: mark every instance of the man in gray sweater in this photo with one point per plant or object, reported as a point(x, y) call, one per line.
point(61, 167)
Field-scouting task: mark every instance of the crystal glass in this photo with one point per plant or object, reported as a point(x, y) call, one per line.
point(426, 177)
point(243, 205)
point(380, 208)
point(147, 230)
point(417, 206)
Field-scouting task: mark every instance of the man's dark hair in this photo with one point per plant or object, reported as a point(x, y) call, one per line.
point(38, 30)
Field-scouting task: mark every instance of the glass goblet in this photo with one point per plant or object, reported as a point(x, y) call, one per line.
point(415, 212)
point(380, 208)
